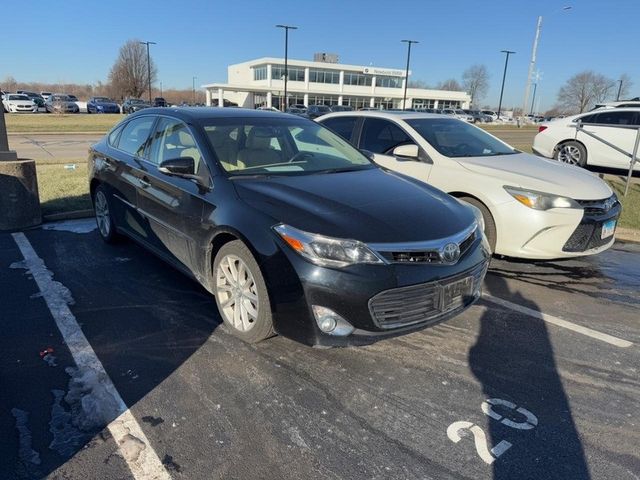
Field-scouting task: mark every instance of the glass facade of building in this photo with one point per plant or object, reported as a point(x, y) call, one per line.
point(357, 79)
point(260, 73)
point(296, 74)
point(388, 82)
point(324, 76)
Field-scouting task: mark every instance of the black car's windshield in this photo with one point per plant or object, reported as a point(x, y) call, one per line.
point(136, 100)
point(102, 99)
point(454, 138)
point(279, 146)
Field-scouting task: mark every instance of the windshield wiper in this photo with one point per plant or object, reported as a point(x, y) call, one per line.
point(340, 170)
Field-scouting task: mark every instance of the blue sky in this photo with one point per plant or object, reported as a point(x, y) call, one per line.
point(78, 41)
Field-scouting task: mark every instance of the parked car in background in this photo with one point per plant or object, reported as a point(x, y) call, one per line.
point(558, 139)
point(478, 116)
point(619, 104)
point(492, 114)
point(73, 98)
point(17, 103)
point(46, 95)
point(314, 111)
point(462, 115)
point(341, 108)
point(35, 97)
point(532, 207)
point(266, 210)
point(57, 103)
point(301, 112)
point(102, 105)
point(159, 102)
point(132, 105)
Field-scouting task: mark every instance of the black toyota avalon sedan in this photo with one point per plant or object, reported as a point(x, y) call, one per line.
point(292, 229)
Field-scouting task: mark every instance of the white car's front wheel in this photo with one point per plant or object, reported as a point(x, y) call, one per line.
point(489, 224)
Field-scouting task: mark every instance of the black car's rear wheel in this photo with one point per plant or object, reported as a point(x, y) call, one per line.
point(104, 216)
point(241, 293)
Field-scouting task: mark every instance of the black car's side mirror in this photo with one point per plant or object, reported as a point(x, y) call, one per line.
point(181, 166)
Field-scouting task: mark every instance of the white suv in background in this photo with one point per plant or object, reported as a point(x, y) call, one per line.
point(17, 102)
point(532, 207)
point(558, 139)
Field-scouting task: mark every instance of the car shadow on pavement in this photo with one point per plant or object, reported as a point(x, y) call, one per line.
point(526, 404)
point(143, 319)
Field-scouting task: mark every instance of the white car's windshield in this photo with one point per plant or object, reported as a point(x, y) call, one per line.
point(454, 138)
point(277, 146)
point(18, 97)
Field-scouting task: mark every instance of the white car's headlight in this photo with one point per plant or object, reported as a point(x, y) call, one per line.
point(540, 200)
point(326, 251)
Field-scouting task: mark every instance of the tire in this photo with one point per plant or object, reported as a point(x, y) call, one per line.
point(571, 152)
point(250, 319)
point(489, 223)
point(104, 216)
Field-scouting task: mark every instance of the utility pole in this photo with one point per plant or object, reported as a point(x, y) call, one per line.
point(406, 73)
point(149, 67)
point(194, 90)
point(286, 57)
point(504, 76)
point(532, 65)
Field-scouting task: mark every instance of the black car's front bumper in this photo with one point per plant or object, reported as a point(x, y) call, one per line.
point(349, 292)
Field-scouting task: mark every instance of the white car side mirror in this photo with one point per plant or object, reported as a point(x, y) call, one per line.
point(407, 151)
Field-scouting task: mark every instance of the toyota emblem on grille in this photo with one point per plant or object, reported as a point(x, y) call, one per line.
point(608, 204)
point(450, 253)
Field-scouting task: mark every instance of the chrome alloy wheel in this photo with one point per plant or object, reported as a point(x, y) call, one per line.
point(237, 293)
point(569, 154)
point(103, 217)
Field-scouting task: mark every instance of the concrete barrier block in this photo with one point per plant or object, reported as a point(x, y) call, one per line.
point(19, 200)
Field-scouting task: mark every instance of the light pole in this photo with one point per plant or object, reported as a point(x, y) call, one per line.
point(532, 63)
point(406, 73)
point(194, 90)
point(286, 58)
point(619, 90)
point(160, 87)
point(149, 67)
point(504, 76)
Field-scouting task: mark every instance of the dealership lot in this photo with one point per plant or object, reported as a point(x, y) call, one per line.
point(543, 371)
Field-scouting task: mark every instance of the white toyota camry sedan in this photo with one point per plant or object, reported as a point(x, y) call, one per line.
point(532, 207)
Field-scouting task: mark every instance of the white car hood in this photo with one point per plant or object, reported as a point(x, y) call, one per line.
point(536, 173)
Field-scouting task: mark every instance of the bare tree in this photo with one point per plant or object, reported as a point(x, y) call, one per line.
point(583, 90)
point(475, 81)
point(129, 75)
point(450, 84)
point(625, 87)
point(418, 84)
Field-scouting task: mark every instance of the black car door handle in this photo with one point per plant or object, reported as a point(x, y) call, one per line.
point(144, 183)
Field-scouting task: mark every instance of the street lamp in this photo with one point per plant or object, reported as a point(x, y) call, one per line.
point(619, 90)
point(532, 63)
point(149, 67)
point(194, 90)
point(504, 76)
point(286, 55)
point(535, 87)
point(406, 73)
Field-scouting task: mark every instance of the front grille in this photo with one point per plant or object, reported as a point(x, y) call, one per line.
point(425, 302)
point(585, 237)
point(426, 256)
point(598, 207)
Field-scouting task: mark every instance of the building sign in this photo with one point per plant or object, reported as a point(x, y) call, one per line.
point(384, 71)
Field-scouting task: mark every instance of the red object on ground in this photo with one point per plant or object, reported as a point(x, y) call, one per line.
point(46, 351)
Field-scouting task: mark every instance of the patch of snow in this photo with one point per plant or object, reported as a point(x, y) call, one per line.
point(82, 225)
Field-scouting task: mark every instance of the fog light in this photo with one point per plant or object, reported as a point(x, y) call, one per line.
point(330, 322)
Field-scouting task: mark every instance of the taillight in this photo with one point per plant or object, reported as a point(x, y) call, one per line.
point(541, 128)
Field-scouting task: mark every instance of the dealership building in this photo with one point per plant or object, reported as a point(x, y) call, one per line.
point(260, 82)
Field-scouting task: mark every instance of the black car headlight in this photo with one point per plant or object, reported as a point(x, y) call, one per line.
point(327, 251)
point(540, 200)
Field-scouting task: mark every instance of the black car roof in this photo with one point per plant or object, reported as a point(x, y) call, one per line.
point(200, 113)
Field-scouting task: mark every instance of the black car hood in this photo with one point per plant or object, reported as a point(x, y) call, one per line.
point(368, 205)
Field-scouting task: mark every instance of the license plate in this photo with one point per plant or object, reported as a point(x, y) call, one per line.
point(453, 294)
point(608, 228)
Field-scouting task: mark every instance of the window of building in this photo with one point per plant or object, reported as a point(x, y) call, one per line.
point(260, 73)
point(323, 100)
point(324, 76)
point(296, 74)
point(388, 82)
point(357, 79)
point(356, 102)
point(454, 104)
point(421, 103)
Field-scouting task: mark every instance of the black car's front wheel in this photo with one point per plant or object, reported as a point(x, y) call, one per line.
point(241, 293)
point(104, 217)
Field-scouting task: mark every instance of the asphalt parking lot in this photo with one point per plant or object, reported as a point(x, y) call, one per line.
point(539, 380)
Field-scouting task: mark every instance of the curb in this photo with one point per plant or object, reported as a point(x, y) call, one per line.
point(55, 217)
point(628, 235)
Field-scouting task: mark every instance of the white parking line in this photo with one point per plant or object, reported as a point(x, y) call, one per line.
point(134, 446)
point(559, 322)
